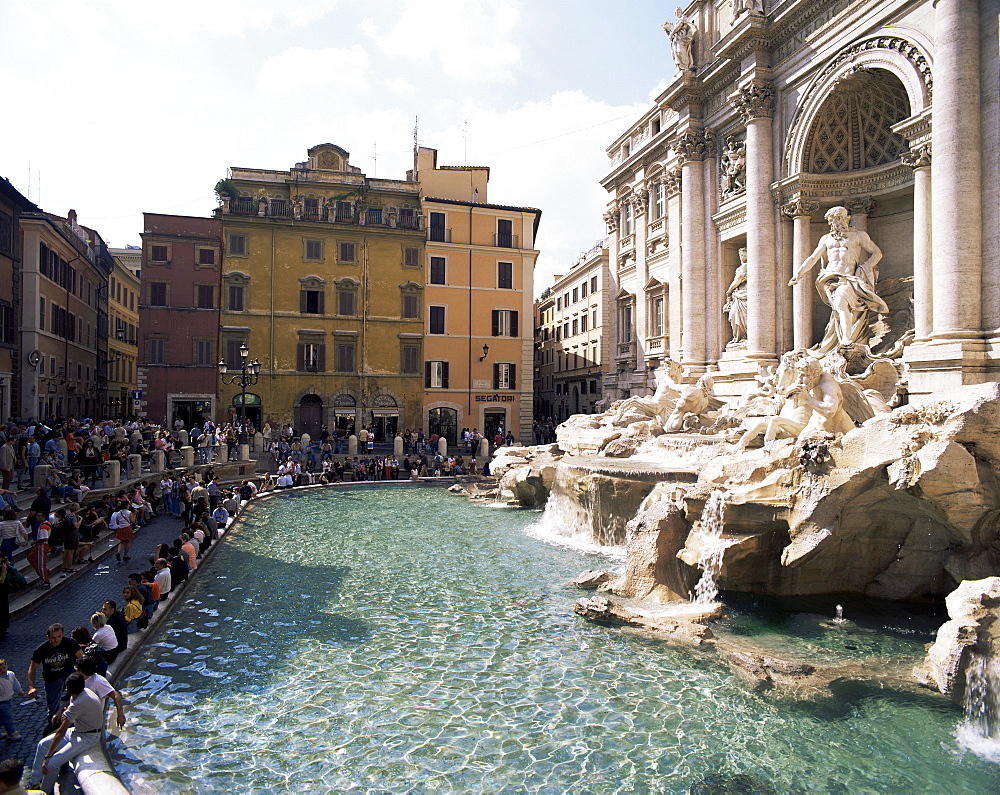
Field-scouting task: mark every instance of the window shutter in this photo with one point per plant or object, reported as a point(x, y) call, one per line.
point(496, 375)
point(444, 375)
point(513, 323)
point(496, 322)
point(427, 375)
point(322, 357)
point(320, 301)
point(512, 380)
point(302, 303)
point(301, 364)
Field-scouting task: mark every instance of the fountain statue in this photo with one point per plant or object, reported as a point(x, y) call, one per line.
point(853, 491)
point(846, 282)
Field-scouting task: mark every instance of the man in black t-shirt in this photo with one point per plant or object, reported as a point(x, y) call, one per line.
point(57, 656)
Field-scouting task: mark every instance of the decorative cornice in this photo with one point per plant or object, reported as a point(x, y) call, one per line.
point(799, 207)
point(694, 145)
point(918, 157)
point(755, 101)
point(611, 219)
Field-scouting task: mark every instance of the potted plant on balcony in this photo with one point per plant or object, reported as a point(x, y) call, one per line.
point(226, 189)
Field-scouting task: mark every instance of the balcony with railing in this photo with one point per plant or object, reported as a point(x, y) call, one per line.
point(339, 213)
point(438, 234)
point(502, 240)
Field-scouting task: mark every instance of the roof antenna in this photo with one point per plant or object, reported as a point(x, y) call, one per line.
point(465, 133)
point(416, 119)
point(375, 145)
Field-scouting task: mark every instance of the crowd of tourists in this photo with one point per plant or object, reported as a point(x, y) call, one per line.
point(63, 524)
point(59, 529)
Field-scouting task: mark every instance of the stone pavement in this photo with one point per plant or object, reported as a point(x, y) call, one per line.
point(71, 603)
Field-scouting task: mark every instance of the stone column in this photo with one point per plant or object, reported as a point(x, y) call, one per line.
point(134, 467)
point(755, 104)
point(672, 186)
point(352, 445)
point(187, 456)
point(243, 452)
point(639, 200)
point(692, 148)
point(258, 442)
point(484, 449)
point(157, 461)
point(956, 212)
point(919, 159)
point(802, 293)
point(397, 446)
point(860, 209)
point(714, 338)
point(442, 446)
point(184, 437)
point(63, 449)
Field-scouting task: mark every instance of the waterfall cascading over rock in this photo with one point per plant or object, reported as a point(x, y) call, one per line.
point(706, 590)
point(980, 731)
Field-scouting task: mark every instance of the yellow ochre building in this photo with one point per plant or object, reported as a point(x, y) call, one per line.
point(323, 280)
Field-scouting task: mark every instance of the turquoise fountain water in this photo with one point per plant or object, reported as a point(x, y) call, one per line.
point(401, 639)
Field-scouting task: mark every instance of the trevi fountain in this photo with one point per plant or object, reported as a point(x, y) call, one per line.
point(825, 479)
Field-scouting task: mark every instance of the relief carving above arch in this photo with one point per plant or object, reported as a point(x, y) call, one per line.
point(892, 53)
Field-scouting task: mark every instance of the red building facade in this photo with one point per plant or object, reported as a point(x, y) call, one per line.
point(179, 318)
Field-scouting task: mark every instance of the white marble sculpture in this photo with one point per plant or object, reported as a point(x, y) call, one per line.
point(736, 301)
point(734, 167)
point(846, 282)
point(681, 35)
point(812, 403)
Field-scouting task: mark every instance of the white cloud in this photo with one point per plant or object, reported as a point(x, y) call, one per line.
point(302, 71)
point(470, 41)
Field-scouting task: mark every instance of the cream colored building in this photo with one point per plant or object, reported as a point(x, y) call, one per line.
point(891, 109)
point(573, 347)
point(123, 332)
point(64, 277)
point(478, 345)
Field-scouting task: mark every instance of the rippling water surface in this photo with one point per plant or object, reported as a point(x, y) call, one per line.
point(405, 640)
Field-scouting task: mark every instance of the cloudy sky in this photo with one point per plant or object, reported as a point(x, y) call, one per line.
point(115, 107)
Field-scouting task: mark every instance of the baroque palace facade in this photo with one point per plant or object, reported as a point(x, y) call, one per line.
point(779, 112)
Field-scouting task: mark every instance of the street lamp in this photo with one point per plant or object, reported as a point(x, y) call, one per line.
point(247, 376)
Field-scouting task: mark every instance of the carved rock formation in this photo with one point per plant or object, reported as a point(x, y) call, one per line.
point(973, 610)
point(600, 608)
point(591, 580)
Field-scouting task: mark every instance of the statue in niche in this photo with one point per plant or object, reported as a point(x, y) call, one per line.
point(681, 35)
point(736, 301)
point(734, 167)
point(846, 283)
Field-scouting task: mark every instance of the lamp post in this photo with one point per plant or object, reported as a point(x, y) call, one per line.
point(247, 376)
